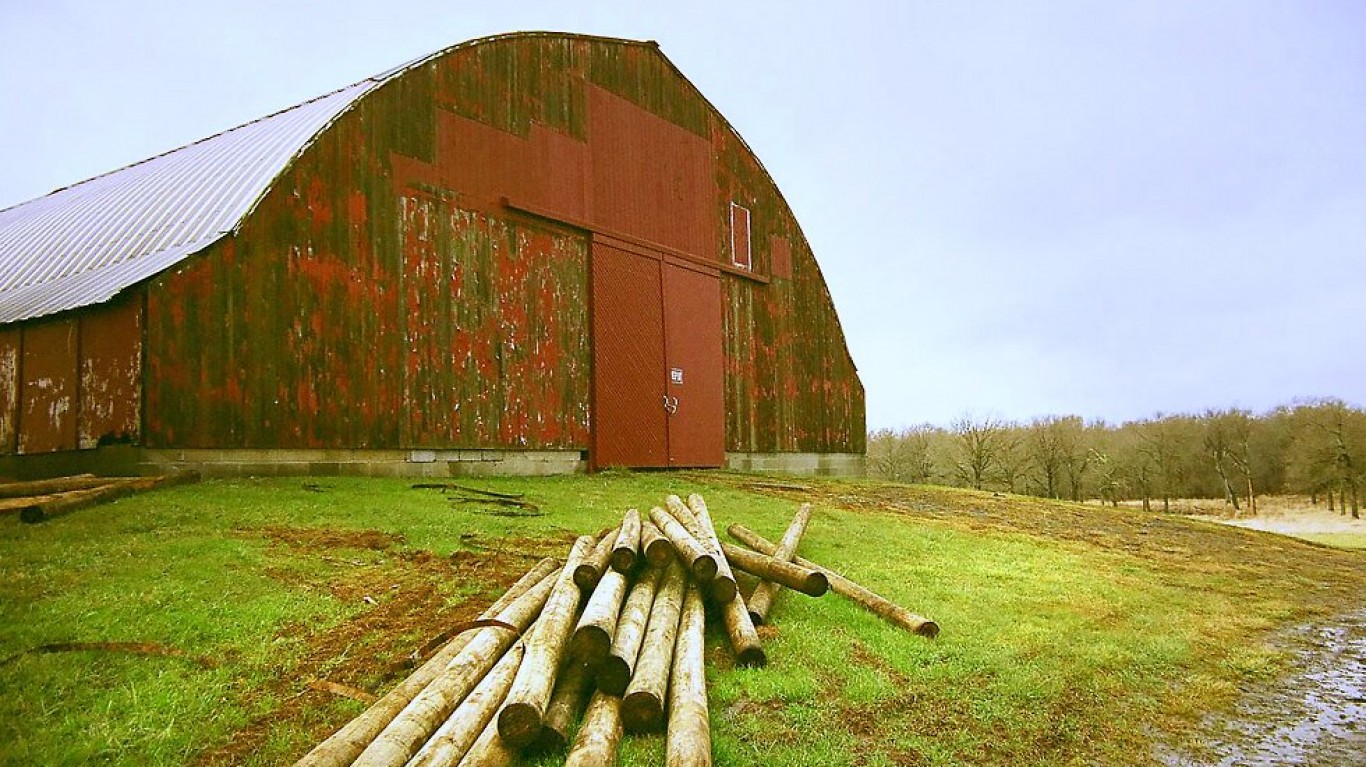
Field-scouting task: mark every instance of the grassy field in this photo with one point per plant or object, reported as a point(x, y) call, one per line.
point(1071, 634)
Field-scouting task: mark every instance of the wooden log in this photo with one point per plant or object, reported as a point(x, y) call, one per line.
point(627, 547)
point(592, 637)
point(722, 588)
point(489, 750)
point(566, 703)
point(455, 736)
point(657, 549)
point(761, 601)
point(44, 508)
point(589, 571)
point(744, 640)
point(642, 707)
point(699, 561)
point(345, 744)
point(879, 605)
point(598, 737)
point(688, 742)
point(413, 725)
point(49, 486)
point(519, 721)
point(804, 579)
point(615, 671)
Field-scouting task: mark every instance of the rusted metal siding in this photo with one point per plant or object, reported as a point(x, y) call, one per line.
point(48, 396)
point(10, 350)
point(791, 385)
point(372, 302)
point(382, 295)
point(111, 373)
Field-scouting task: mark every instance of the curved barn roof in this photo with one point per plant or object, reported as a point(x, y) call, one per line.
point(83, 244)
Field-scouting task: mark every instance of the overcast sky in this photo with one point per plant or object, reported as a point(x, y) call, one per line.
point(1021, 208)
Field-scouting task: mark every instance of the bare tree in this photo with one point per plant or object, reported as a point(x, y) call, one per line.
point(1055, 447)
point(905, 456)
point(981, 450)
point(1330, 451)
point(1218, 443)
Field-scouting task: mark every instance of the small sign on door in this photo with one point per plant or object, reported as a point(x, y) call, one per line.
point(676, 375)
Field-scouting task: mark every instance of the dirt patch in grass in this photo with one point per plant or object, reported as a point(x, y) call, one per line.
point(324, 539)
point(402, 599)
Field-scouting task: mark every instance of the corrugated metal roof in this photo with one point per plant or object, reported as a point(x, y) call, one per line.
point(83, 244)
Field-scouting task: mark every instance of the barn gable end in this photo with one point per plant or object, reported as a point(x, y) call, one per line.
point(429, 285)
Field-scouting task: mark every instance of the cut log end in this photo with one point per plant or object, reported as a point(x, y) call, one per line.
point(752, 657)
point(519, 724)
point(590, 644)
point(928, 629)
point(586, 577)
point(658, 552)
point(613, 675)
point(816, 585)
point(32, 514)
point(704, 568)
point(756, 618)
point(624, 561)
point(642, 712)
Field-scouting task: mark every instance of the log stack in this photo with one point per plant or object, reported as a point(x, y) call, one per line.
point(617, 630)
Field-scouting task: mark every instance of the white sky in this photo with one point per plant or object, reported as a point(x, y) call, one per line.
point(1102, 208)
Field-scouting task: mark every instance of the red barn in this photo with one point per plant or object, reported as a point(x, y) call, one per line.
point(527, 253)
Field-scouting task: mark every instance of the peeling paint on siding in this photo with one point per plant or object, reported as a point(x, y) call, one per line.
point(381, 296)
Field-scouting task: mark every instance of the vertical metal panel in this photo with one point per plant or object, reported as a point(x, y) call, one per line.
point(10, 350)
point(629, 420)
point(781, 249)
point(695, 367)
point(111, 372)
point(48, 397)
point(651, 178)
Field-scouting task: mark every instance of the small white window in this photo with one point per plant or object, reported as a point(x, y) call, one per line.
point(739, 236)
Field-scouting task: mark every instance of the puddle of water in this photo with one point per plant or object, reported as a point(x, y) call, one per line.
point(1315, 716)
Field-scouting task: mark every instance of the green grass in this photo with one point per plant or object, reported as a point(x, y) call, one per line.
point(1057, 647)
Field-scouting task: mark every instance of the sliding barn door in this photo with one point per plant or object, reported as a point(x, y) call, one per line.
point(658, 395)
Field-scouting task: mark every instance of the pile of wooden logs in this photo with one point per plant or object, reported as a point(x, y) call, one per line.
point(43, 499)
point(618, 629)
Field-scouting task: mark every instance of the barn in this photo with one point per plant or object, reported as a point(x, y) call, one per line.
point(530, 253)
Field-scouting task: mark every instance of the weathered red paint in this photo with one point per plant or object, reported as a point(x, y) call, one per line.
point(651, 178)
point(48, 387)
point(381, 295)
point(10, 350)
point(111, 373)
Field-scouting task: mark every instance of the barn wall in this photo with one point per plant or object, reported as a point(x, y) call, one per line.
point(382, 296)
point(72, 382)
point(11, 350)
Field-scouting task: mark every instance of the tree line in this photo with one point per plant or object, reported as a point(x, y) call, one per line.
point(1313, 447)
